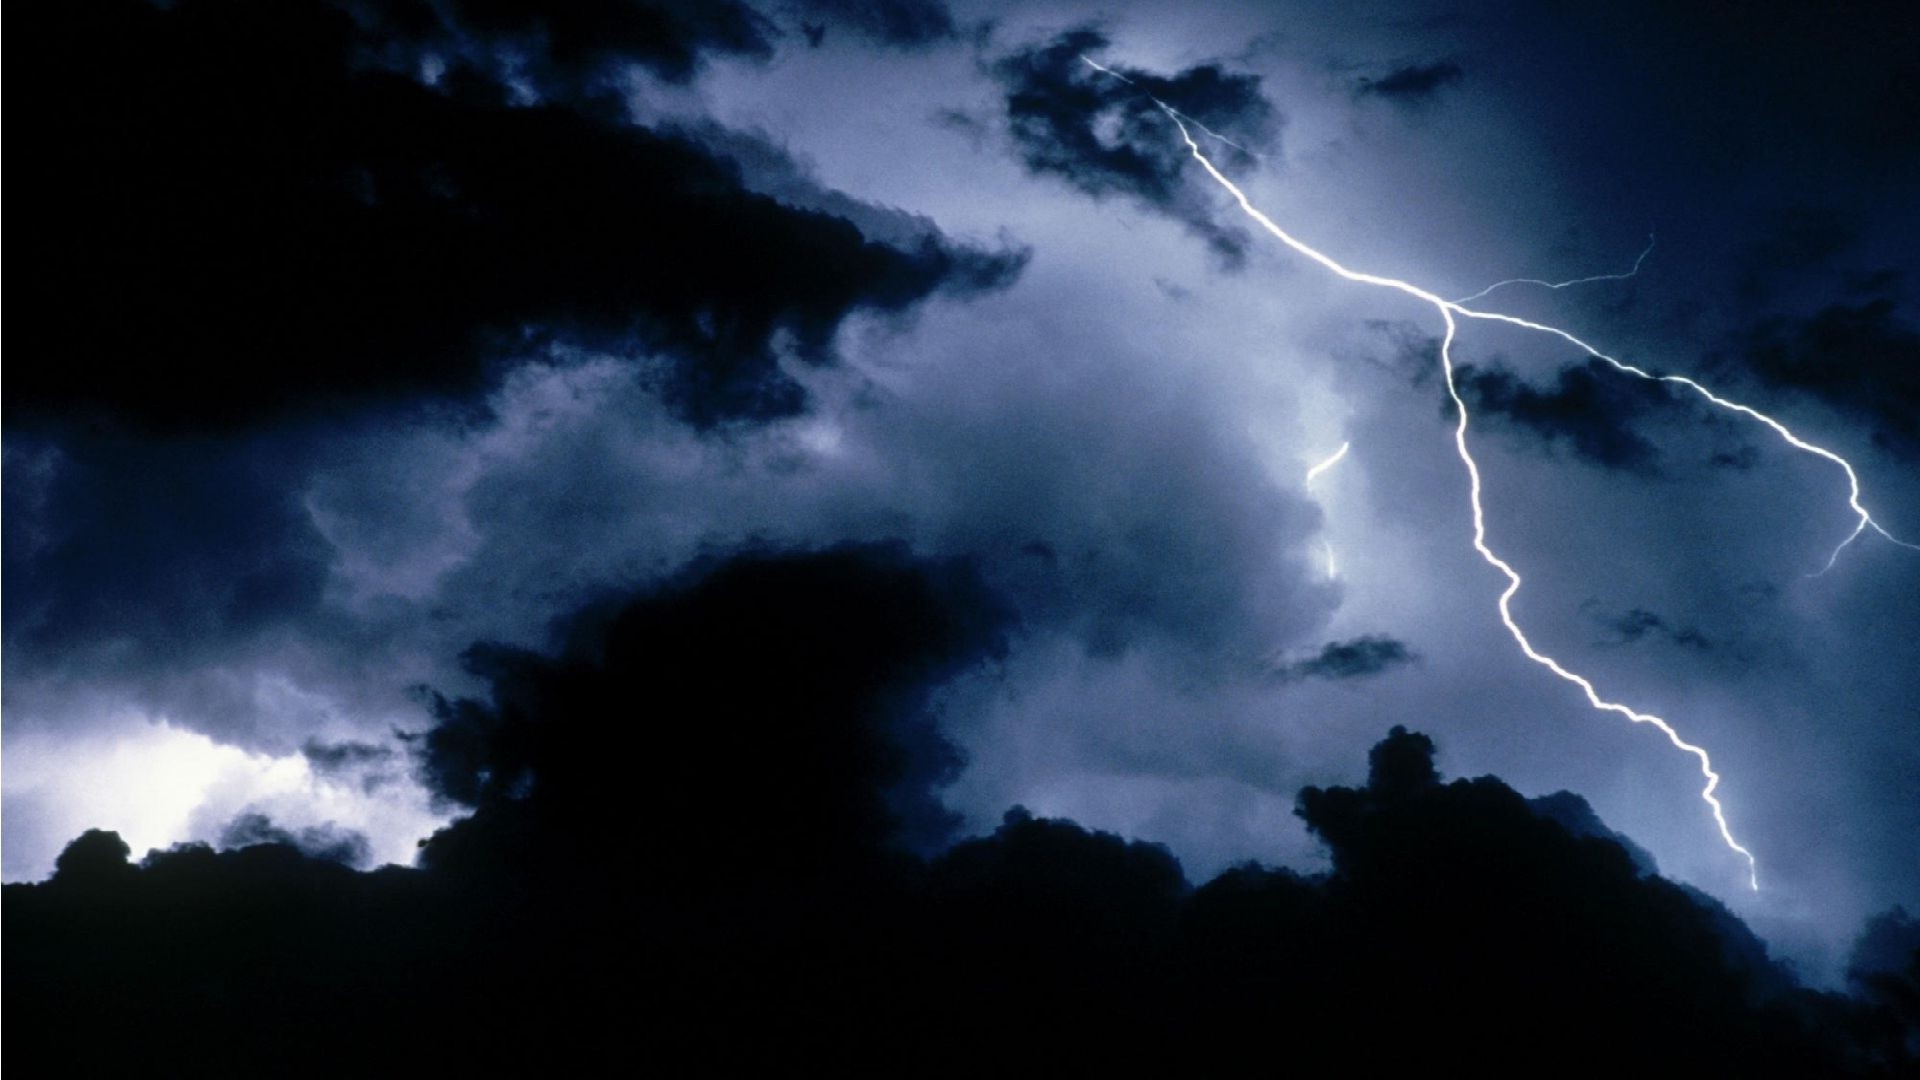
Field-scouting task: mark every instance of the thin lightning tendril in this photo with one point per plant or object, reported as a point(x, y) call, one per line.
point(1448, 310)
point(1644, 252)
point(1332, 460)
point(1177, 115)
point(1333, 568)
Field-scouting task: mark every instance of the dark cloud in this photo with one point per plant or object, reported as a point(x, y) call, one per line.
point(327, 843)
point(798, 678)
point(278, 222)
point(1885, 969)
point(1590, 409)
point(1107, 137)
point(1576, 815)
point(1796, 241)
point(164, 547)
point(1888, 946)
point(1637, 624)
point(1414, 353)
point(1411, 82)
point(711, 819)
point(344, 757)
point(766, 168)
point(95, 857)
point(578, 41)
point(1359, 658)
point(1451, 905)
point(1863, 358)
point(371, 766)
point(905, 23)
point(285, 220)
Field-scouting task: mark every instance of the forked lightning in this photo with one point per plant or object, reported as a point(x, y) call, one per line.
point(1449, 311)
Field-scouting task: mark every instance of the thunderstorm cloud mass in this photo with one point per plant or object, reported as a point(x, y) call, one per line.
point(911, 535)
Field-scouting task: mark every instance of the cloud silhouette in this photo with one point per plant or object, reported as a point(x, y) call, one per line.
point(687, 835)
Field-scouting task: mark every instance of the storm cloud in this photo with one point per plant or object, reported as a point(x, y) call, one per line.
point(804, 508)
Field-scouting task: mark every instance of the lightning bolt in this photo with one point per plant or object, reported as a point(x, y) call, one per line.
point(1448, 310)
point(1863, 519)
point(1333, 570)
point(1644, 252)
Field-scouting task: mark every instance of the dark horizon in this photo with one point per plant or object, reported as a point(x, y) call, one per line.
point(800, 924)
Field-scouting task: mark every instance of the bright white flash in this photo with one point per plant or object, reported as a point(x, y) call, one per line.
point(1644, 252)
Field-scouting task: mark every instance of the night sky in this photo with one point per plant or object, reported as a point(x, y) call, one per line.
point(756, 480)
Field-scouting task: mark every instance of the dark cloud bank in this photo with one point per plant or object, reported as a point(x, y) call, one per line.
point(707, 833)
point(264, 224)
point(251, 210)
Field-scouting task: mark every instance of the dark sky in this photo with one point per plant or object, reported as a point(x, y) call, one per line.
point(365, 352)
